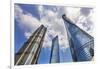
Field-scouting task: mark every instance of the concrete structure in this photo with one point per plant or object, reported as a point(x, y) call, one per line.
point(29, 53)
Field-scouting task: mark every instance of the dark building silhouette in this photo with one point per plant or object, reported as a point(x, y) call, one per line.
point(81, 44)
point(29, 52)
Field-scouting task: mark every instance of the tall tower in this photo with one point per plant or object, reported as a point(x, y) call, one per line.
point(54, 58)
point(81, 44)
point(29, 53)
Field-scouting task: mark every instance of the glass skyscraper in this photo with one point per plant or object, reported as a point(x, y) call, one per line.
point(55, 58)
point(81, 43)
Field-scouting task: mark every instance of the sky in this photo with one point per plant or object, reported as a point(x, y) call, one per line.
point(28, 17)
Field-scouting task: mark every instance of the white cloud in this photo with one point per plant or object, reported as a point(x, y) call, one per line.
point(55, 26)
point(72, 13)
point(53, 20)
point(27, 22)
point(18, 11)
point(40, 8)
point(50, 18)
point(86, 22)
point(27, 34)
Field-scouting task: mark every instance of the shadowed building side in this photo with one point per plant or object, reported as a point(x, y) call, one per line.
point(81, 44)
point(30, 51)
point(54, 57)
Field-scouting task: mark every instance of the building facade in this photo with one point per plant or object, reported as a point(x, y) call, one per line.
point(55, 57)
point(81, 44)
point(29, 53)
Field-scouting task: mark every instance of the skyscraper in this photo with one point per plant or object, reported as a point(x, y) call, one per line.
point(81, 44)
point(54, 58)
point(30, 50)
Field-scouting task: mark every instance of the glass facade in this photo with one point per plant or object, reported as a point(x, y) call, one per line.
point(54, 58)
point(81, 43)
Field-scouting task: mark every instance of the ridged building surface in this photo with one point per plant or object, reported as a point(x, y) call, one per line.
point(81, 44)
point(29, 52)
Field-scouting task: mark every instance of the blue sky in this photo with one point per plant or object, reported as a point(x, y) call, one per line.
point(29, 17)
point(19, 37)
